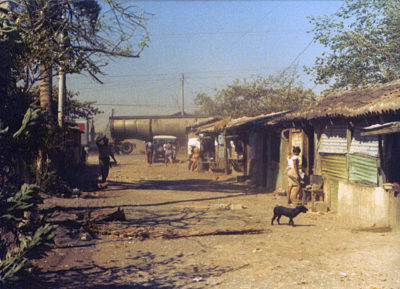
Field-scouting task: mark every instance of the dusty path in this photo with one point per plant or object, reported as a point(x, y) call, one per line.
point(190, 230)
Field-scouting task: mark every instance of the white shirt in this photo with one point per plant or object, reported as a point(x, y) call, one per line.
point(291, 161)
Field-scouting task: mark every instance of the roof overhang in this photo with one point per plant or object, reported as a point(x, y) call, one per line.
point(377, 129)
point(244, 123)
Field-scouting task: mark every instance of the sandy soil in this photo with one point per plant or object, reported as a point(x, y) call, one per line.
point(203, 230)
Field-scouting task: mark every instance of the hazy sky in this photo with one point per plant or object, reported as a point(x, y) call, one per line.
point(212, 43)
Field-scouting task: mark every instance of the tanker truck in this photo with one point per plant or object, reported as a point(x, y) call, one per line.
point(146, 127)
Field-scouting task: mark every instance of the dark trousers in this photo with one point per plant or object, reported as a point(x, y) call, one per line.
point(149, 155)
point(104, 168)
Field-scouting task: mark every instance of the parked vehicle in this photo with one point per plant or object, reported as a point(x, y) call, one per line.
point(125, 147)
point(158, 142)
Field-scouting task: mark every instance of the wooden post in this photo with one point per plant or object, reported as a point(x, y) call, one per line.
point(183, 95)
point(382, 162)
point(226, 160)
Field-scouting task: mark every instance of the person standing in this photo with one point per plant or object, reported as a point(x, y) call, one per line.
point(293, 174)
point(105, 153)
point(149, 152)
point(169, 153)
point(190, 157)
point(195, 159)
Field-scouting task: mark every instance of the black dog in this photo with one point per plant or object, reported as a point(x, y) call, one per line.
point(291, 213)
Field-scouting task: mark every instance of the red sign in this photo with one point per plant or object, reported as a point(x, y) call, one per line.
point(82, 127)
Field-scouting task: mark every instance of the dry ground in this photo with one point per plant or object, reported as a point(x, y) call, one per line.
point(203, 230)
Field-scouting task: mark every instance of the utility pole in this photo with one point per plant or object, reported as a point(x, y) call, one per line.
point(61, 97)
point(183, 94)
point(61, 91)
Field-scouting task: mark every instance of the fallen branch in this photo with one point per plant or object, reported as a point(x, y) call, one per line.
point(118, 215)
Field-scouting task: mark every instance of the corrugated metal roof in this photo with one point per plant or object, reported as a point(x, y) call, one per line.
point(386, 128)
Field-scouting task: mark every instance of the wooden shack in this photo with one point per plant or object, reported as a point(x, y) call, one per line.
point(350, 139)
point(258, 145)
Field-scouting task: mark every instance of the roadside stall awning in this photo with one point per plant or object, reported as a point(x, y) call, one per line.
point(376, 129)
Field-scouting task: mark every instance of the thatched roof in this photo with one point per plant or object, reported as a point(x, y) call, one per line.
point(374, 100)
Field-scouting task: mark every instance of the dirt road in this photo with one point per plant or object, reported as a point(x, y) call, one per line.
point(203, 230)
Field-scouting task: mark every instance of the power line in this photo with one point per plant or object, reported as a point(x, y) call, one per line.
point(251, 29)
point(189, 72)
point(113, 84)
point(184, 34)
point(298, 55)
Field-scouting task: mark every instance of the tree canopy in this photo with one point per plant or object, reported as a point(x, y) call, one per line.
point(261, 95)
point(76, 35)
point(363, 38)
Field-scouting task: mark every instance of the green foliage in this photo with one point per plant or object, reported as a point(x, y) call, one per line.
point(75, 108)
point(32, 238)
point(363, 37)
point(259, 96)
point(16, 264)
point(26, 199)
point(32, 130)
point(23, 234)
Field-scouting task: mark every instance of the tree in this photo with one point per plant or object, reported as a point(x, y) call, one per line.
point(259, 96)
point(363, 37)
point(75, 109)
point(30, 46)
point(91, 34)
point(76, 35)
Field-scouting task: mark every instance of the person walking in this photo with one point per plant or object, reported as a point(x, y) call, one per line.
point(105, 153)
point(149, 152)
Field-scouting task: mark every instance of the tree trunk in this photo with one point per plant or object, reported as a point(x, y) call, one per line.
point(45, 97)
point(4, 82)
point(45, 88)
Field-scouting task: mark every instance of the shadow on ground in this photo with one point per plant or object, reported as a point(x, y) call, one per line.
point(84, 178)
point(145, 271)
point(198, 185)
point(195, 185)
